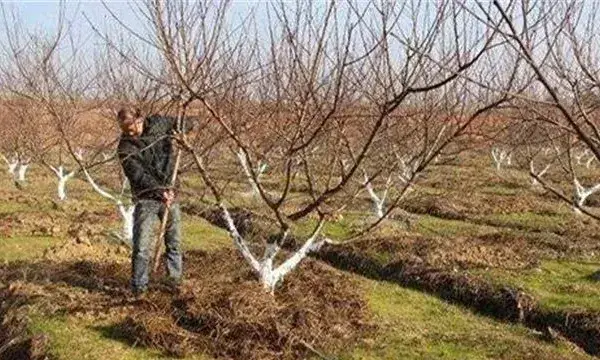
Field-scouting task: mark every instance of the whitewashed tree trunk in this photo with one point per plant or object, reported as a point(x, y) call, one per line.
point(405, 174)
point(63, 177)
point(406, 171)
point(260, 169)
point(79, 153)
point(590, 161)
point(11, 165)
point(581, 194)
point(378, 202)
point(23, 166)
point(17, 168)
point(500, 157)
point(12, 168)
point(62, 188)
point(268, 275)
point(579, 157)
point(534, 181)
point(125, 211)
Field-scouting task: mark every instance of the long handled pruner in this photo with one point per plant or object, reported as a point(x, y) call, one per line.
point(165, 217)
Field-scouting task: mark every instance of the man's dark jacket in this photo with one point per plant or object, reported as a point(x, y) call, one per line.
point(148, 160)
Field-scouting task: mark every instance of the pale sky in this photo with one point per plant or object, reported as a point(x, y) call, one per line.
point(43, 14)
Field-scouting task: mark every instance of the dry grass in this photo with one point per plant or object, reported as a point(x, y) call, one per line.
point(221, 309)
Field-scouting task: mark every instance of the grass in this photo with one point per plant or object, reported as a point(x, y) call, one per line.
point(413, 325)
point(559, 285)
point(336, 230)
point(417, 326)
point(431, 225)
point(13, 207)
point(73, 338)
point(25, 247)
point(198, 234)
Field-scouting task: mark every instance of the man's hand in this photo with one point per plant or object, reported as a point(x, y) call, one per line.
point(168, 197)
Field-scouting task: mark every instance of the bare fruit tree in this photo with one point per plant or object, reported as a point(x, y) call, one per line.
point(314, 92)
point(559, 42)
point(51, 73)
point(23, 140)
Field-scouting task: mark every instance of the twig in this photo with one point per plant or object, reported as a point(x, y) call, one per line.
point(314, 351)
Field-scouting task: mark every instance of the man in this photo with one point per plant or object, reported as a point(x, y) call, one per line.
point(147, 157)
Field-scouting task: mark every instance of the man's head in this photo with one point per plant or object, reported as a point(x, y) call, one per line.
point(131, 121)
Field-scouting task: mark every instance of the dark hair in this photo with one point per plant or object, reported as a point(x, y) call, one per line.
point(128, 112)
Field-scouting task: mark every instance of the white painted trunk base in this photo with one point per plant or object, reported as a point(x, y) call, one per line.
point(261, 168)
point(63, 177)
point(581, 194)
point(378, 202)
point(126, 212)
point(500, 157)
point(12, 167)
point(539, 174)
point(270, 276)
point(22, 171)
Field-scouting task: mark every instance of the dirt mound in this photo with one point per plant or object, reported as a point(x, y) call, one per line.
point(8, 222)
point(501, 302)
point(438, 207)
point(220, 309)
point(82, 250)
point(224, 311)
point(95, 216)
point(460, 253)
point(583, 328)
